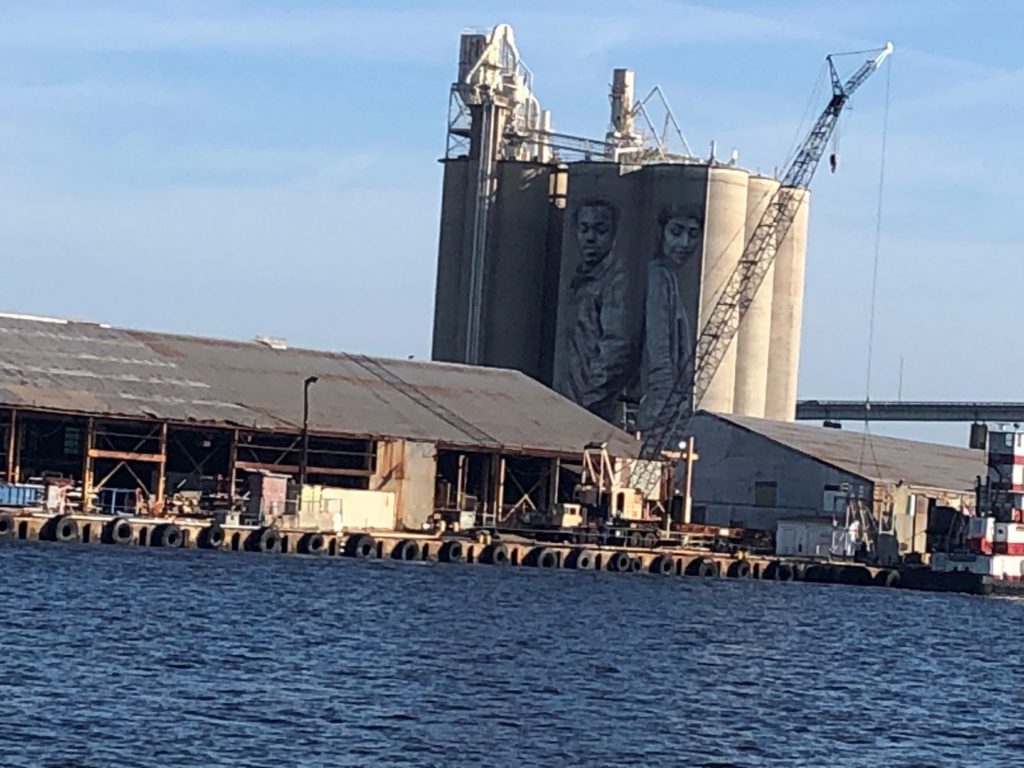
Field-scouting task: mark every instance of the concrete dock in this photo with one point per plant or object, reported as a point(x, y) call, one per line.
point(514, 551)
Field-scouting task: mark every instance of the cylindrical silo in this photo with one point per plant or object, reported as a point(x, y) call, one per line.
point(452, 290)
point(787, 312)
point(514, 267)
point(670, 241)
point(724, 238)
point(600, 304)
point(755, 329)
point(559, 192)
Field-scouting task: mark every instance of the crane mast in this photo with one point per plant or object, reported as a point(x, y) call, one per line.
point(724, 320)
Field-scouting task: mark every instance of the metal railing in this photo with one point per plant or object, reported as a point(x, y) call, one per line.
point(20, 494)
point(116, 501)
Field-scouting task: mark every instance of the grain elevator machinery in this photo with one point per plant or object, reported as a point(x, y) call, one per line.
point(491, 99)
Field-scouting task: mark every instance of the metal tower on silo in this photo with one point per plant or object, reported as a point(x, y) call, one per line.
point(491, 100)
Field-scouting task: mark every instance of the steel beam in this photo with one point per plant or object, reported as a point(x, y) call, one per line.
point(293, 469)
point(893, 410)
point(102, 453)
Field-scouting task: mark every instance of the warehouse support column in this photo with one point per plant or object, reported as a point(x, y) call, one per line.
point(87, 478)
point(499, 491)
point(554, 470)
point(232, 466)
point(11, 470)
point(690, 456)
point(460, 482)
point(161, 475)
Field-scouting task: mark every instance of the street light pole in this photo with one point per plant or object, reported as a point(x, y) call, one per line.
point(304, 454)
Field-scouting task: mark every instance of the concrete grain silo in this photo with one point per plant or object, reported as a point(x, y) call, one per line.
point(724, 238)
point(671, 210)
point(548, 291)
point(754, 335)
point(451, 296)
point(514, 266)
point(787, 314)
point(599, 314)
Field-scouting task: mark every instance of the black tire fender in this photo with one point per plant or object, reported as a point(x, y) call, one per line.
point(580, 560)
point(495, 553)
point(7, 527)
point(739, 569)
point(117, 531)
point(61, 528)
point(708, 569)
point(541, 557)
point(265, 540)
point(312, 543)
point(407, 549)
point(361, 546)
point(618, 562)
point(779, 571)
point(211, 537)
point(167, 535)
point(451, 552)
point(662, 565)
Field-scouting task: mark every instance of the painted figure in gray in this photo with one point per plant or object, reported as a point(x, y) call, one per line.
point(600, 355)
point(669, 327)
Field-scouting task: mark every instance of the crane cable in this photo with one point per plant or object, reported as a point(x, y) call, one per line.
point(868, 442)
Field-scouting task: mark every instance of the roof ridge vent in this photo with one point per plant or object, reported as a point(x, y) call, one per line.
point(274, 342)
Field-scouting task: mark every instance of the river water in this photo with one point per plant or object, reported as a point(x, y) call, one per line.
point(145, 657)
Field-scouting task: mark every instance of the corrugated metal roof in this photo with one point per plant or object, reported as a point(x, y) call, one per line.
point(95, 369)
point(875, 458)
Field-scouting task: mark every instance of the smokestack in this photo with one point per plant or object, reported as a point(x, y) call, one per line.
point(622, 104)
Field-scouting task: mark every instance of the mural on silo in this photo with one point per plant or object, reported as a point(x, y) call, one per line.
point(600, 349)
point(670, 314)
point(631, 286)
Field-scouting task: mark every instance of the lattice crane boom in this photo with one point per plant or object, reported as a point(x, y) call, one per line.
point(723, 322)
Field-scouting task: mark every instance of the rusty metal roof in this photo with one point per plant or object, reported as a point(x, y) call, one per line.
point(875, 458)
point(89, 368)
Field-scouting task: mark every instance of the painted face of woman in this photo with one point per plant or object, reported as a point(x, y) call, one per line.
point(680, 238)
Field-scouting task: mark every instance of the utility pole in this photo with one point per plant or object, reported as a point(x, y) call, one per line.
point(304, 454)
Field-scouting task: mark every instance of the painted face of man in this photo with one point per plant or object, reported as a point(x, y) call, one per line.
point(595, 233)
point(680, 238)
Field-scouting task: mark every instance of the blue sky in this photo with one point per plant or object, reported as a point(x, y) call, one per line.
point(234, 169)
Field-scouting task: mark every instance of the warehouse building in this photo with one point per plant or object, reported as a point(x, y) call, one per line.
point(754, 472)
point(135, 421)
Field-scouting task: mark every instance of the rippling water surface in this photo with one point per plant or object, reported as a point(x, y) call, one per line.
point(141, 657)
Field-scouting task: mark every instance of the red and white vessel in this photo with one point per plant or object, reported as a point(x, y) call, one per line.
point(993, 542)
point(991, 548)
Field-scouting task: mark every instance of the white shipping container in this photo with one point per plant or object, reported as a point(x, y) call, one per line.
point(804, 537)
point(341, 509)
